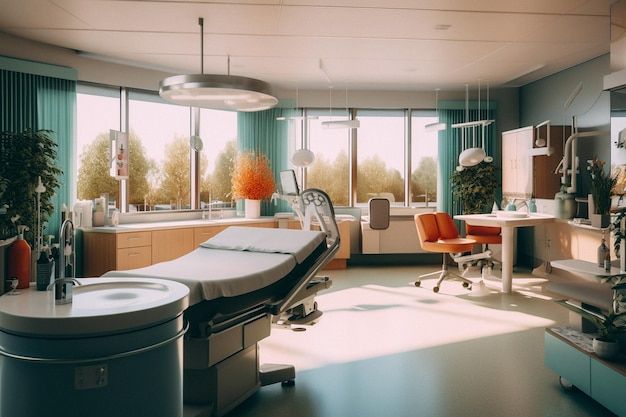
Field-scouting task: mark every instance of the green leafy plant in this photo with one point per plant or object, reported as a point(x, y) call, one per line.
point(24, 157)
point(609, 325)
point(475, 187)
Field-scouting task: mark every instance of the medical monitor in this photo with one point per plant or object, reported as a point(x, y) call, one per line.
point(288, 182)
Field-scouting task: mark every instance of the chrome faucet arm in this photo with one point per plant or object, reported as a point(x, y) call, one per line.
point(67, 249)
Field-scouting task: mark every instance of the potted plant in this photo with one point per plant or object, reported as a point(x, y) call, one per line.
point(601, 187)
point(24, 158)
point(610, 326)
point(475, 187)
point(252, 180)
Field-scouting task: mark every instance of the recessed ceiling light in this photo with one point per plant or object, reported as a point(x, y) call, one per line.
point(442, 27)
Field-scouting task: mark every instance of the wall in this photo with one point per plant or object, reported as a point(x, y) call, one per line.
point(544, 100)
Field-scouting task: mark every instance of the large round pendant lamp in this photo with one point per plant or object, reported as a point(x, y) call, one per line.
point(220, 92)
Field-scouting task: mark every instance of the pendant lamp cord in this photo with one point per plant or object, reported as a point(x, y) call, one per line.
point(201, 23)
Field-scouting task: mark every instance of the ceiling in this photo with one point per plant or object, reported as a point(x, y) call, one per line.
point(392, 45)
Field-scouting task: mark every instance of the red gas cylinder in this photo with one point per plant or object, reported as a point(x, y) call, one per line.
point(19, 259)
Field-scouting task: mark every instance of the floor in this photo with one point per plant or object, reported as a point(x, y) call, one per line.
point(387, 348)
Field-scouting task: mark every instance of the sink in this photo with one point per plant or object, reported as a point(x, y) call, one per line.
point(117, 294)
point(99, 306)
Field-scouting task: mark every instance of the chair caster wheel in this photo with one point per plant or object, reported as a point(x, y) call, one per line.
point(417, 283)
point(466, 285)
point(289, 383)
point(436, 289)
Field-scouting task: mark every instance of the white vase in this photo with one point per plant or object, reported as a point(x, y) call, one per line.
point(253, 209)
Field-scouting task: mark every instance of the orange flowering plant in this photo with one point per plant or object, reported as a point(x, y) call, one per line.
point(252, 177)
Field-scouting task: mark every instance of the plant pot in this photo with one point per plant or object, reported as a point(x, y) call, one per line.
point(600, 221)
point(253, 209)
point(608, 350)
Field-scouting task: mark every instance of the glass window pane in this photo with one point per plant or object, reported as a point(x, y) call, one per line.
point(218, 130)
point(330, 171)
point(423, 161)
point(98, 111)
point(380, 155)
point(160, 134)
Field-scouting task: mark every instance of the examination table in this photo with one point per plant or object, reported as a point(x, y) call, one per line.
point(241, 281)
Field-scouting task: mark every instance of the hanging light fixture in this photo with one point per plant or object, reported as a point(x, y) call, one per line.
point(220, 92)
point(340, 124)
point(473, 155)
point(437, 126)
point(301, 157)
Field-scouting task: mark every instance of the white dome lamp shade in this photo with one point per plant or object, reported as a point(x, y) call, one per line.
point(220, 92)
point(302, 158)
point(472, 156)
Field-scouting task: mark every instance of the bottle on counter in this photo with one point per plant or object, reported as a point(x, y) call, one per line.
point(19, 259)
point(45, 269)
point(607, 262)
point(603, 250)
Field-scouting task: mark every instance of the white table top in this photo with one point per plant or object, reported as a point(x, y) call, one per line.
point(506, 218)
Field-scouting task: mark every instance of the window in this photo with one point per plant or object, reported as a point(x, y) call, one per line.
point(380, 155)
point(218, 130)
point(98, 111)
point(330, 172)
point(424, 151)
point(161, 179)
point(160, 155)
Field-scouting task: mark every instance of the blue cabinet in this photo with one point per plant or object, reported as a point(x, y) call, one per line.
point(568, 362)
point(603, 381)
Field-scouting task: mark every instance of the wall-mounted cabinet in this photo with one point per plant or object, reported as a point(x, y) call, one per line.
point(524, 175)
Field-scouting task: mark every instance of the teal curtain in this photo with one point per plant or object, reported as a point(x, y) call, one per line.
point(42, 96)
point(56, 111)
point(450, 147)
point(261, 132)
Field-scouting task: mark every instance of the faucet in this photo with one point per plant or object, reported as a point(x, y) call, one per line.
point(63, 289)
point(63, 286)
point(519, 203)
point(67, 242)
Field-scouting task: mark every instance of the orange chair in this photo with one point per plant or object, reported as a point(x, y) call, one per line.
point(437, 232)
point(485, 235)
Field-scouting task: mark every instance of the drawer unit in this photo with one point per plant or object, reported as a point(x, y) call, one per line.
point(130, 258)
point(134, 239)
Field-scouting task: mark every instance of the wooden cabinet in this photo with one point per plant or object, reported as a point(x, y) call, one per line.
point(202, 234)
point(171, 244)
point(340, 261)
point(103, 252)
point(525, 176)
point(107, 249)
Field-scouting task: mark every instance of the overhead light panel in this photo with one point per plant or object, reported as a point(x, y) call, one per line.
point(219, 92)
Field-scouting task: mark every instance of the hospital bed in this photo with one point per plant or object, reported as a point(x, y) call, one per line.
point(242, 281)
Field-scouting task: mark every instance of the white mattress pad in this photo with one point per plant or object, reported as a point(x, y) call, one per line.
point(237, 261)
